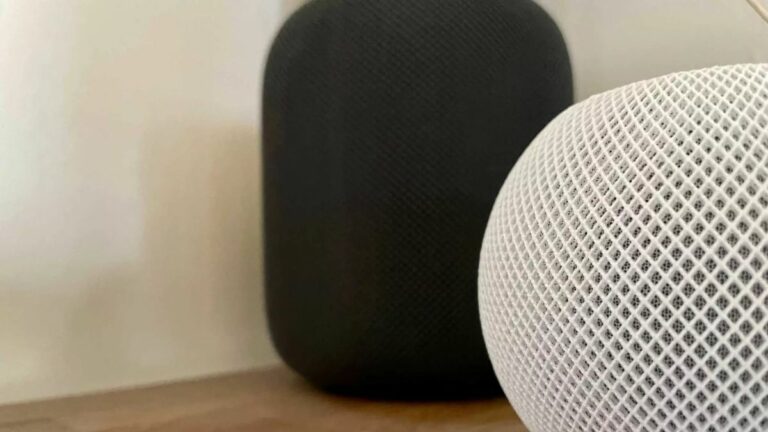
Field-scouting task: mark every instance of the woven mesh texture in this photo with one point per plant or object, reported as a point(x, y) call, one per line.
point(389, 127)
point(624, 274)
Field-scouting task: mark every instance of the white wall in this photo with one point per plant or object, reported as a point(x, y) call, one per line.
point(615, 42)
point(130, 227)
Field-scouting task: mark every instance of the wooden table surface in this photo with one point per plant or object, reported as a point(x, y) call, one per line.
point(264, 400)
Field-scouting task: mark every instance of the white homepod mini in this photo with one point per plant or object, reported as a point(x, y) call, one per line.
point(624, 272)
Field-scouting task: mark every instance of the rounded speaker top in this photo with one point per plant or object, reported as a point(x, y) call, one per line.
point(389, 127)
point(624, 271)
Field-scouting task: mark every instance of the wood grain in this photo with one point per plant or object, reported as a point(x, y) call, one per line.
point(266, 400)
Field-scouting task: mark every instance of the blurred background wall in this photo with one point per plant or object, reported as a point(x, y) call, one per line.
point(616, 42)
point(130, 243)
point(130, 227)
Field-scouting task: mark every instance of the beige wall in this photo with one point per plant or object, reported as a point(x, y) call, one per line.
point(130, 242)
point(616, 42)
point(130, 237)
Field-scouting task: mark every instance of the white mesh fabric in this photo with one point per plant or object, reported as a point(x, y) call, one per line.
point(624, 271)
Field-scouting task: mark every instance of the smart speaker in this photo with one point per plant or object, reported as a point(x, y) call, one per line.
point(389, 126)
point(624, 271)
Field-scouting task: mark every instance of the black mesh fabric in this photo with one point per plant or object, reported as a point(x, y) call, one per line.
point(389, 127)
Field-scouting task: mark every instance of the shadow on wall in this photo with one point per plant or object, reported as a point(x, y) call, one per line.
point(291, 5)
point(202, 237)
point(613, 43)
point(190, 305)
point(100, 327)
point(131, 244)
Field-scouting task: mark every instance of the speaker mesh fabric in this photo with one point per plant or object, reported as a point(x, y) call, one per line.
point(389, 126)
point(624, 271)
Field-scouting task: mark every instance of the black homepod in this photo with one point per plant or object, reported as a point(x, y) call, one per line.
point(389, 127)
